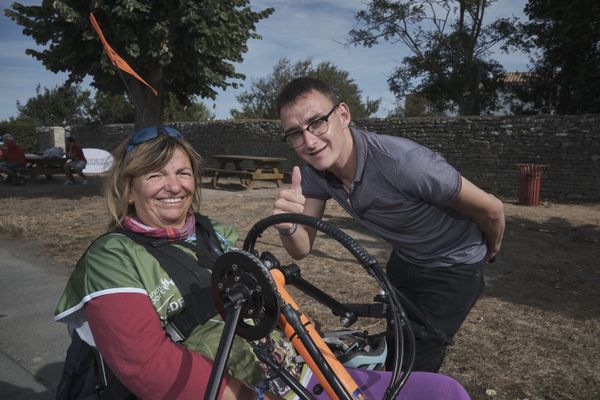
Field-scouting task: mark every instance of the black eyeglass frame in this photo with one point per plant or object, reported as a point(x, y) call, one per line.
point(324, 118)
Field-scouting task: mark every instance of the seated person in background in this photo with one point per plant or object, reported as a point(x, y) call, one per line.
point(12, 157)
point(121, 300)
point(76, 161)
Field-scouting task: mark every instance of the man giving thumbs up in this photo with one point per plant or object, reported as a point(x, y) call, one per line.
point(443, 228)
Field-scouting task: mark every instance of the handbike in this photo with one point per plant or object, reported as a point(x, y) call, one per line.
point(249, 291)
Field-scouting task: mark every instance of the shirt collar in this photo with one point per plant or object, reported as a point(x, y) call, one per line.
point(360, 143)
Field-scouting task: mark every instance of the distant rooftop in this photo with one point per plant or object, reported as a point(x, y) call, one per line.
point(517, 77)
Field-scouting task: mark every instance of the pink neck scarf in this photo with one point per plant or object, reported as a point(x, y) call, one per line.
point(188, 229)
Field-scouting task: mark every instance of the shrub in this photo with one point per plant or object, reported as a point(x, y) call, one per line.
point(24, 131)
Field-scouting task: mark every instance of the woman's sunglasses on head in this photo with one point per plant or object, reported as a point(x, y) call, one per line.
point(149, 133)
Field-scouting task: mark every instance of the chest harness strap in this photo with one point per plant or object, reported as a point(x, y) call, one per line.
point(191, 276)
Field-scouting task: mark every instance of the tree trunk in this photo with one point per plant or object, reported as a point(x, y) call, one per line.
point(471, 105)
point(148, 107)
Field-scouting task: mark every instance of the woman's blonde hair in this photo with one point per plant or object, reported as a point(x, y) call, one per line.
point(144, 158)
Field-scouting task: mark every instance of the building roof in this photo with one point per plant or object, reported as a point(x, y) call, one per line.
point(517, 77)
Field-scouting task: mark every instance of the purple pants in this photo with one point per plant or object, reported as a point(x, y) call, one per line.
point(420, 386)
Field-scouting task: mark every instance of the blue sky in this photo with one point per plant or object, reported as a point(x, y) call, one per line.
point(297, 30)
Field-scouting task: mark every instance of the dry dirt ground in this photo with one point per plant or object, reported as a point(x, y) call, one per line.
point(532, 335)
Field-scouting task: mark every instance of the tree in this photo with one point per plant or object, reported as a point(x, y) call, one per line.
point(184, 47)
point(177, 112)
point(414, 105)
point(116, 109)
point(450, 65)
point(563, 39)
point(111, 108)
point(397, 112)
point(260, 100)
point(23, 130)
point(61, 106)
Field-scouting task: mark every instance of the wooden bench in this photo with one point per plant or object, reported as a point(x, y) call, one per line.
point(48, 171)
point(37, 166)
point(263, 168)
point(215, 173)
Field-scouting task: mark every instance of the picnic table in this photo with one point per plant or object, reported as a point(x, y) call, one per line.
point(40, 165)
point(263, 169)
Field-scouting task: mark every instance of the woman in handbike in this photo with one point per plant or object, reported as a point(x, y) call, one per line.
point(121, 300)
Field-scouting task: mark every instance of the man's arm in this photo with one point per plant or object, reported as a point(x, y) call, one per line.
point(297, 240)
point(485, 210)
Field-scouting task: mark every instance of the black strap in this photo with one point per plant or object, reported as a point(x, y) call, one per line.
point(208, 245)
point(191, 276)
point(110, 387)
point(79, 378)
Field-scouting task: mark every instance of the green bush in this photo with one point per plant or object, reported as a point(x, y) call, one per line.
point(24, 132)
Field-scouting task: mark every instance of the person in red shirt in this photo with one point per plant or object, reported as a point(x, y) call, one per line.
point(76, 161)
point(12, 157)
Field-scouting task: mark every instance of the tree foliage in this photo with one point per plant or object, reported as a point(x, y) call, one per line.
point(117, 109)
point(260, 100)
point(24, 132)
point(61, 106)
point(414, 105)
point(563, 38)
point(450, 64)
point(69, 105)
point(184, 47)
point(109, 108)
point(177, 112)
point(418, 106)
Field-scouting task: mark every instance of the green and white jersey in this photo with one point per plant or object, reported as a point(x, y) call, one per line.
point(114, 263)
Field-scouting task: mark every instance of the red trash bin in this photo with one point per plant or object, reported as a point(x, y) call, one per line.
point(531, 178)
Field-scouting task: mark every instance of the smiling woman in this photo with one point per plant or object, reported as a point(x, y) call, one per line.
point(134, 294)
point(157, 166)
point(162, 198)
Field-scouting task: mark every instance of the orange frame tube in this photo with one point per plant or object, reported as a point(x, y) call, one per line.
point(337, 367)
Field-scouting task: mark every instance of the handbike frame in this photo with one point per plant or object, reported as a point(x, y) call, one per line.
point(296, 326)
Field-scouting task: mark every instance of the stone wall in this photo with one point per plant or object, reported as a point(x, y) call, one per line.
point(484, 149)
point(51, 136)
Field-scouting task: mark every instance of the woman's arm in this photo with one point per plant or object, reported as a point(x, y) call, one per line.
point(131, 339)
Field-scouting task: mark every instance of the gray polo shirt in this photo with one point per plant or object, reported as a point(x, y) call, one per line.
point(399, 192)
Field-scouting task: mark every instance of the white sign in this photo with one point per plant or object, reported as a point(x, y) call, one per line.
point(98, 160)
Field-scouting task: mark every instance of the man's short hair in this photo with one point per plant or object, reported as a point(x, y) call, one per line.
point(300, 86)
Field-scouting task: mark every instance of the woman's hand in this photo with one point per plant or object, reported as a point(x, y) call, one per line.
point(236, 390)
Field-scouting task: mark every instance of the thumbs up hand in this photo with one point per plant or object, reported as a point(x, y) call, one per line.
point(297, 180)
point(290, 200)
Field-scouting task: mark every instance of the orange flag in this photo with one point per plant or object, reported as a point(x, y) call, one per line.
point(115, 58)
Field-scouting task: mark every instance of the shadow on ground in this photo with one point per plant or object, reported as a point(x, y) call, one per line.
point(552, 266)
point(54, 188)
point(48, 376)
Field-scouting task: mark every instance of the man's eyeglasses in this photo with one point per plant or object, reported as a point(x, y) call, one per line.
point(318, 128)
point(149, 133)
